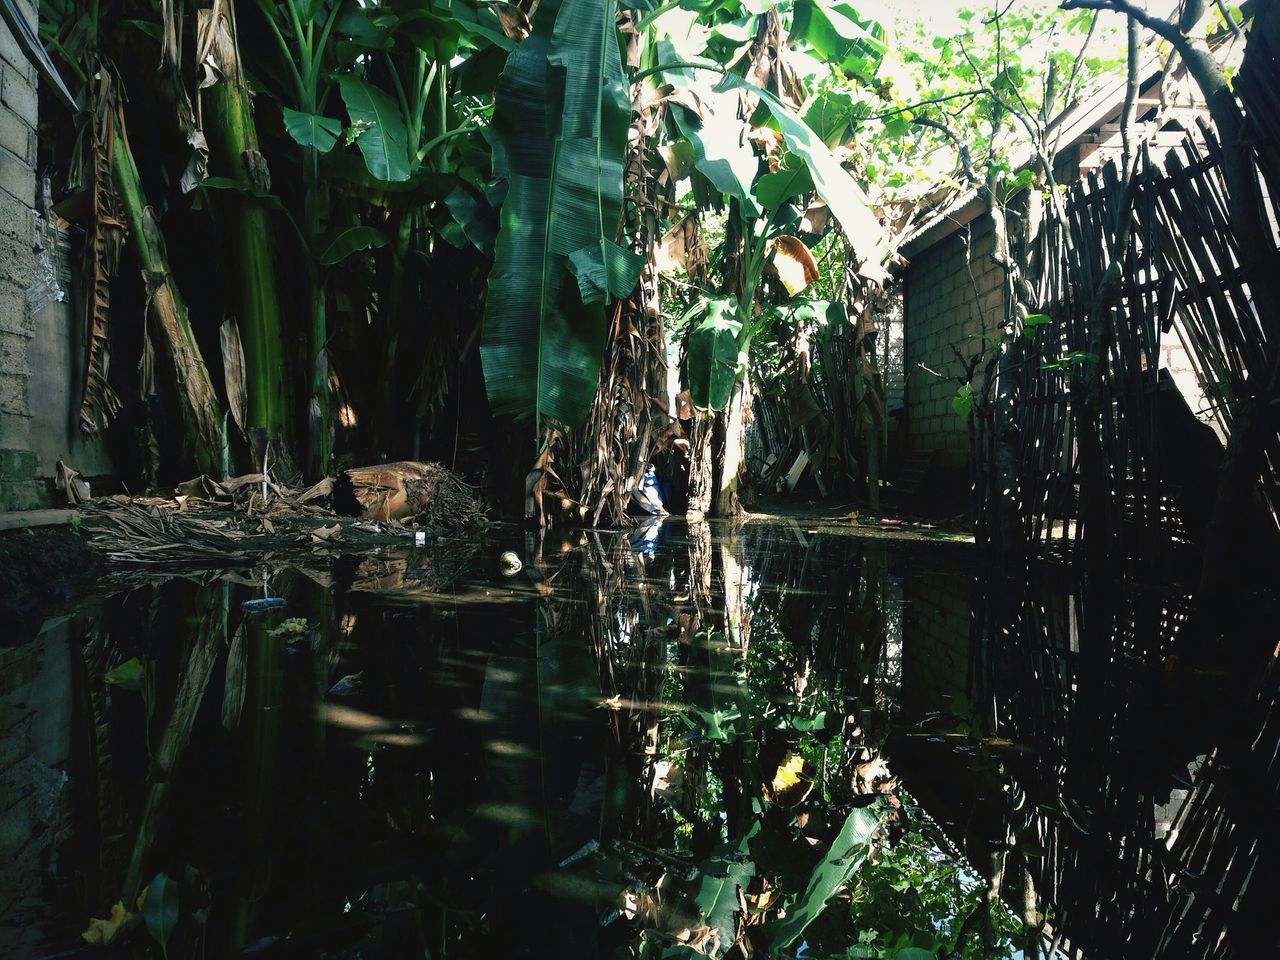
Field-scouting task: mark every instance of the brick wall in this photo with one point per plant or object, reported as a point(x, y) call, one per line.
point(952, 295)
point(18, 110)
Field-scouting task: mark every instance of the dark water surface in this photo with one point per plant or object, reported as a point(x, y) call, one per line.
point(658, 744)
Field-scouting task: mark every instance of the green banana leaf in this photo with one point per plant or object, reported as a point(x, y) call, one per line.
point(804, 311)
point(720, 152)
point(312, 130)
point(560, 124)
point(838, 865)
point(726, 872)
point(713, 353)
point(382, 137)
point(834, 30)
point(848, 202)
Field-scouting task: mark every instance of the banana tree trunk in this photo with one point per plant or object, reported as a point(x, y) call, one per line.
point(167, 323)
point(700, 466)
point(726, 499)
point(319, 419)
point(236, 146)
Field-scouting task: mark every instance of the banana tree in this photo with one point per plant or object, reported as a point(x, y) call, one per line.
point(761, 187)
point(303, 32)
point(237, 155)
point(408, 91)
point(560, 123)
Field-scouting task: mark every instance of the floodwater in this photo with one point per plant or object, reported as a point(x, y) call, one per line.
point(770, 739)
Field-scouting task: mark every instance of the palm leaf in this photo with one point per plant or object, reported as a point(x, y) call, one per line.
point(560, 122)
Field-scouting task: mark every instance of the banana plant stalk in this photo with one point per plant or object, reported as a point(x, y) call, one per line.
point(235, 142)
point(428, 77)
point(167, 323)
point(305, 71)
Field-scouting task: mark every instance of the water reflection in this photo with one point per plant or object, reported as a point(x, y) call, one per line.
point(668, 742)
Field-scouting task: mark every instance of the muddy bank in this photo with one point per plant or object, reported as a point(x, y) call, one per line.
point(40, 567)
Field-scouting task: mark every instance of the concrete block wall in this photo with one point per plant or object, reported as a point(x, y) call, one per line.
point(41, 340)
point(18, 117)
point(952, 296)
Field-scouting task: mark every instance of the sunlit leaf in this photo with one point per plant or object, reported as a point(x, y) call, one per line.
point(723, 875)
point(713, 353)
point(793, 263)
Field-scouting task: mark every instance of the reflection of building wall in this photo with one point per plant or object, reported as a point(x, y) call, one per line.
point(35, 715)
point(935, 644)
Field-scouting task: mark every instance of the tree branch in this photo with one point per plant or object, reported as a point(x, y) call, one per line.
point(962, 148)
point(1130, 111)
point(971, 94)
point(1231, 21)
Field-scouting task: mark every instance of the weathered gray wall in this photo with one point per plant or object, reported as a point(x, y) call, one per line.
point(18, 109)
point(40, 360)
point(951, 297)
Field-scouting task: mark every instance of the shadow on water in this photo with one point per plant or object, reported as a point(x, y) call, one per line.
point(756, 740)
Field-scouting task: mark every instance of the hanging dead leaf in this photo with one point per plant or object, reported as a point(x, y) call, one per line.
point(514, 21)
point(233, 371)
point(768, 143)
point(215, 45)
point(793, 264)
point(816, 217)
point(681, 248)
point(668, 779)
point(104, 240)
point(70, 481)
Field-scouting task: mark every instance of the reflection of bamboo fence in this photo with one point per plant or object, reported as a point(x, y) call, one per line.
point(1096, 680)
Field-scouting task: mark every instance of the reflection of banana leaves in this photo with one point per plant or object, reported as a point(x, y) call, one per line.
point(561, 117)
point(206, 646)
point(838, 865)
point(726, 874)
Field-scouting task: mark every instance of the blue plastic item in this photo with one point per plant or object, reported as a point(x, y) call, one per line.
point(648, 496)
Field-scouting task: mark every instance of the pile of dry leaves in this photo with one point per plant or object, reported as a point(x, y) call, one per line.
point(247, 517)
